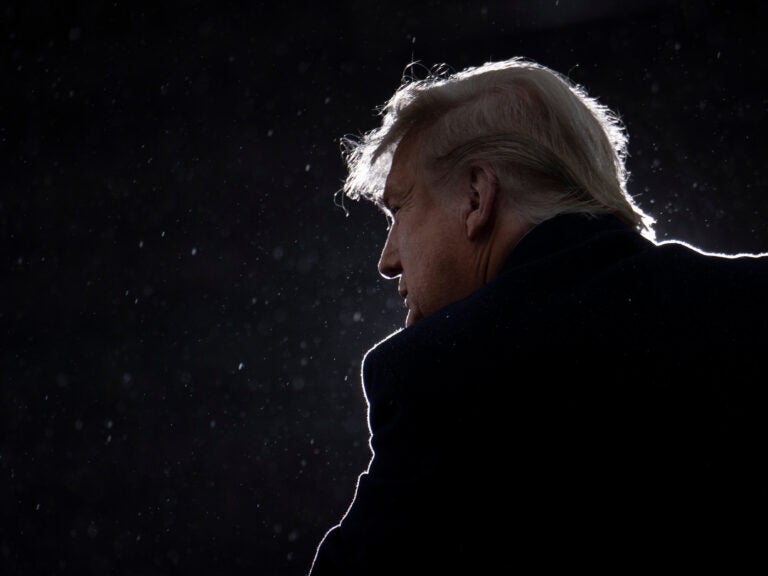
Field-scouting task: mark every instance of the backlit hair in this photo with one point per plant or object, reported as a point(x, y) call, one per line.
point(554, 148)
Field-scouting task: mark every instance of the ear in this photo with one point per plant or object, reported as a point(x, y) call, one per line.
point(481, 204)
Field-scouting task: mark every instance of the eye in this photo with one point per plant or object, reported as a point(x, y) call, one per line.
point(392, 214)
point(389, 211)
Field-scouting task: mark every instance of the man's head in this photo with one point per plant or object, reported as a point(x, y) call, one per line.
point(445, 239)
point(464, 164)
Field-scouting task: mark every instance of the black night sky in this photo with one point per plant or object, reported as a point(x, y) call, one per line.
point(184, 307)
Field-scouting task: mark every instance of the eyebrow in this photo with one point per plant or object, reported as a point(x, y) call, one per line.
point(386, 195)
point(390, 191)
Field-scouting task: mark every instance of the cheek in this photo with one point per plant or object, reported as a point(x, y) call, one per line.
point(432, 261)
point(439, 279)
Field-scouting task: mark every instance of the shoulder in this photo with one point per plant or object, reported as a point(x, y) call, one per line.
point(755, 264)
point(708, 279)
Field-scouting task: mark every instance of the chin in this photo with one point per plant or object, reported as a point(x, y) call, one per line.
point(411, 318)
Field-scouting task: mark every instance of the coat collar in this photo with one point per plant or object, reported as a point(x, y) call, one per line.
point(564, 232)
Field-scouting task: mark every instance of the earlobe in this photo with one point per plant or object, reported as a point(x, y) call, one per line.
point(482, 199)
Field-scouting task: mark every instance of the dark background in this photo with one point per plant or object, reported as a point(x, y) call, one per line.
point(183, 305)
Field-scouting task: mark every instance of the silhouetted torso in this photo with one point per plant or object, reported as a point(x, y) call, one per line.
point(598, 404)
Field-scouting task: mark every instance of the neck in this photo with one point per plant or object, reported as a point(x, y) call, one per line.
point(507, 231)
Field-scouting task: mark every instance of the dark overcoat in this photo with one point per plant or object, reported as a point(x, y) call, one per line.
point(600, 404)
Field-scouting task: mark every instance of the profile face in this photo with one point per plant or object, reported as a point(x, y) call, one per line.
point(427, 248)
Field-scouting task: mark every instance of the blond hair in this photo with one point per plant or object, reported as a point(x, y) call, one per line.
point(554, 148)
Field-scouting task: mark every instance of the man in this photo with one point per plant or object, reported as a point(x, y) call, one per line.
point(566, 392)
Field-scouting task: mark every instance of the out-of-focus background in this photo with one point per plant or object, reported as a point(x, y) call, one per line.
point(184, 307)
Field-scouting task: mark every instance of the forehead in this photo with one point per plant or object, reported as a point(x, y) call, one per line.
point(404, 170)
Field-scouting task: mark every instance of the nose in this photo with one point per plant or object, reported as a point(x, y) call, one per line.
point(389, 262)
